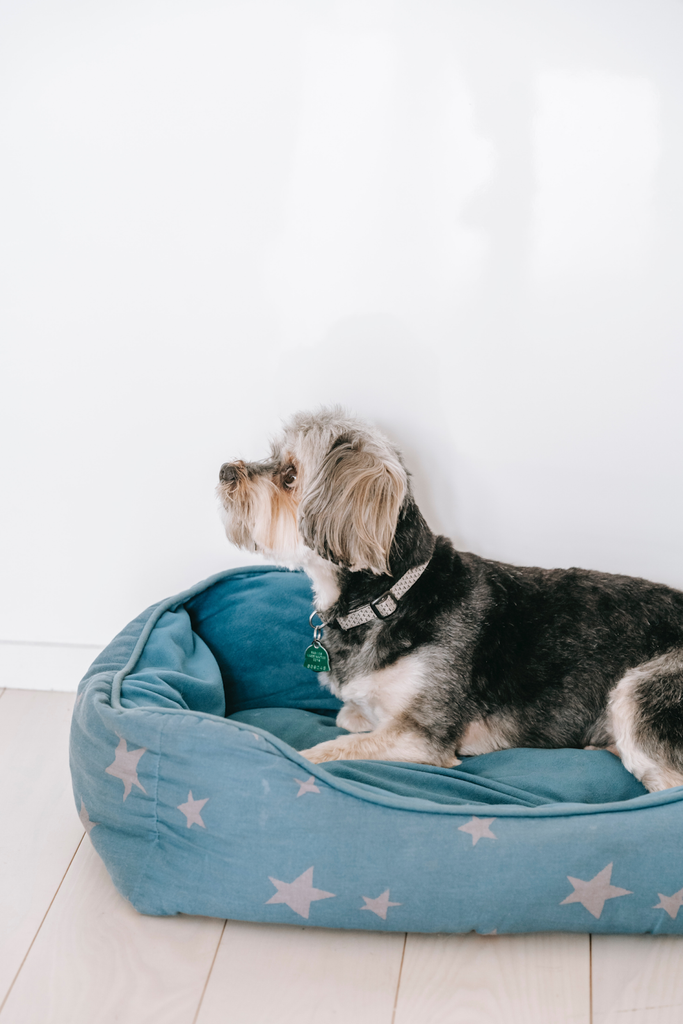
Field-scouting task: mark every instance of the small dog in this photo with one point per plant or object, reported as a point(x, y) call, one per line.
point(436, 652)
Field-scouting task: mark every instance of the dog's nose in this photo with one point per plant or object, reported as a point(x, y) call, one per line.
point(228, 473)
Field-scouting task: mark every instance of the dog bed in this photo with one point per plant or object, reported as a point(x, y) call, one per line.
point(187, 778)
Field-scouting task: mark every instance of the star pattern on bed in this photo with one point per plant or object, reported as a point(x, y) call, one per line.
point(299, 894)
point(308, 786)
point(672, 904)
point(478, 828)
point(192, 809)
point(594, 893)
point(379, 905)
point(87, 824)
point(125, 766)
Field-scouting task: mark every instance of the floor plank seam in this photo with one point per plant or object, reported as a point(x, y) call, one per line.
point(208, 977)
point(590, 978)
point(38, 929)
point(398, 980)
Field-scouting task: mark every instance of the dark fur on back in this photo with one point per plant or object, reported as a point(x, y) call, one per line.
point(538, 649)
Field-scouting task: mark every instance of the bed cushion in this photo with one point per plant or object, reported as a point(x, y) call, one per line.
point(187, 776)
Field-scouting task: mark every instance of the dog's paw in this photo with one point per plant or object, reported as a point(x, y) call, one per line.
point(612, 749)
point(352, 719)
point(330, 750)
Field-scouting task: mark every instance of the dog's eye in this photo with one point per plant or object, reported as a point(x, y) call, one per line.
point(289, 478)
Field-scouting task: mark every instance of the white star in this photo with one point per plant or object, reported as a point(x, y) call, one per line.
point(298, 894)
point(672, 904)
point(308, 786)
point(478, 828)
point(125, 766)
point(379, 905)
point(593, 894)
point(191, 810)
point(87, 824)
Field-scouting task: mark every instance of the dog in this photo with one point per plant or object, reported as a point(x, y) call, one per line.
point(437, 653)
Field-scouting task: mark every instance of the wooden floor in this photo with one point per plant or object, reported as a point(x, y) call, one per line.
point(72, 951)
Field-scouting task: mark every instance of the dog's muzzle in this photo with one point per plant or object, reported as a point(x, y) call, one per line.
point(230, 473)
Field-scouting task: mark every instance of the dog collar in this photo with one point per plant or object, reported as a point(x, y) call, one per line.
point(384, 605)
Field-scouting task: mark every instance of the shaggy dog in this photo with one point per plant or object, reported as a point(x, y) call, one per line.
point(437, 652)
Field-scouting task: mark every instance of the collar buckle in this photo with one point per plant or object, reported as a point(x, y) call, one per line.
point(384, 605)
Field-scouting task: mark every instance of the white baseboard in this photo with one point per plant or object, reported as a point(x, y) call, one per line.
point(39, 666)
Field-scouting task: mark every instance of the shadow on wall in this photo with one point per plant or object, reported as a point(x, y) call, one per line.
point(373, 367)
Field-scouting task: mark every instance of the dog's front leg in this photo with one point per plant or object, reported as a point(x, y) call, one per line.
point(386, 744)
point(353, 719)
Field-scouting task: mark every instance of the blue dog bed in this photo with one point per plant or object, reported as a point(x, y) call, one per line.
point(187, 777)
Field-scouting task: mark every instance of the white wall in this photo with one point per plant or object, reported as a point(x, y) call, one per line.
point(462, 218)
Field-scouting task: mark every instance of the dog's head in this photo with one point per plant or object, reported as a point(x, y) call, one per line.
point(332, 485)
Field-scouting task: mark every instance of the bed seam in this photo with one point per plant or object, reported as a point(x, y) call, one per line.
point(156, 841)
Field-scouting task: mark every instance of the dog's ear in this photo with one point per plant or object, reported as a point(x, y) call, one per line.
point(349, 512)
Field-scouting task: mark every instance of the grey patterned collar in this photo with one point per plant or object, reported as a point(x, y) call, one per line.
point(384, 605)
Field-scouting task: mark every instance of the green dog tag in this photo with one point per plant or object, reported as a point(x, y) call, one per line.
point(316, 658)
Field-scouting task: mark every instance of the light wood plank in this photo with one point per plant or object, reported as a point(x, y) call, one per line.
point(40, 828)
point(290, 975)
point(96, 960)
point(474, 979)
point(637, 979)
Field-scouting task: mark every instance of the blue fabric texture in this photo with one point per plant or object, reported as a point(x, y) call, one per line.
point(195, 812)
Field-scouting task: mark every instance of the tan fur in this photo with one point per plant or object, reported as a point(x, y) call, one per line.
point(283, 519)
point(378, 701)
point(351, 508)
point(482, 737)
point(274, 526)
point(391, 743)
point(612, 749)
point(354, 719)
point(236, 508)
